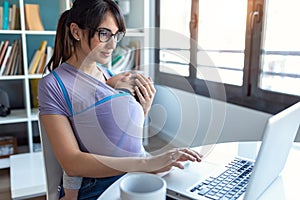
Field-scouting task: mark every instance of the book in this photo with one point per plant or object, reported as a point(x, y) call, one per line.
point(15, 70)
point(42, 64)
point(32, 17)
point(5, 15)
point(1, 45)
point(116, 59)
point(14, 58)
point(7, 54)
point(20, 69)
point(1, 17)
point(49, 55)
point(12, 25)
point(3, 50)
point(9, 63)
point(125, 62)
point(9, 18)
point(39, 54)
point(34, 92)
point(137, 54)
point(33, 61)
point(18, 20)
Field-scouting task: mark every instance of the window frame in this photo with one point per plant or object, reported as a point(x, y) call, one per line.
point(249, 94)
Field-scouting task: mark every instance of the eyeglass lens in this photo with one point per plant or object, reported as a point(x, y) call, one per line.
point(105, 35)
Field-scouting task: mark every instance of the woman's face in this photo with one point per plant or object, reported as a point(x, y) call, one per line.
point(101, 51)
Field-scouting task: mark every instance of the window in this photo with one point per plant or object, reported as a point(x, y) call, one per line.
point(280, 59)
point(250, 48)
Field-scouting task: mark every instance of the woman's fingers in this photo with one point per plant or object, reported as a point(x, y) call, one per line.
point(184, 154)
point(193, 153)
point(144, 80)
point(178, 164)
point(173, 158)
point(145, 91)
point(151, 85)
point(147, 83)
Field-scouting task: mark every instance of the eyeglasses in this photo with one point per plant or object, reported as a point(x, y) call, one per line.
point(105, 35)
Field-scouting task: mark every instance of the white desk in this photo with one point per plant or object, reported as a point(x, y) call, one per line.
point(285, 187)
point(27, 175)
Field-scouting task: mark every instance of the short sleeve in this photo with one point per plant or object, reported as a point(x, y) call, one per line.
point(50, 97)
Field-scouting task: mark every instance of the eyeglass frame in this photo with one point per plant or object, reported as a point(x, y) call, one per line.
point(112, 35)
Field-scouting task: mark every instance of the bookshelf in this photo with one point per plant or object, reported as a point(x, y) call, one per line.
point(22, 122)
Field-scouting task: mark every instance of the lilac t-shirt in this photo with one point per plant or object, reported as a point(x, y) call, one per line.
point(105, 121)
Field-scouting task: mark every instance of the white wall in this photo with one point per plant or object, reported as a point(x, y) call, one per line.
point(186, 119)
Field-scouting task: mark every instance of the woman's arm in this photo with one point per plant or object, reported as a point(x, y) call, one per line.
point(66, 149)
point(78, 163)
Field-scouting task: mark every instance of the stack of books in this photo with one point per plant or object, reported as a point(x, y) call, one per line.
point(11, 58)
point(9, 16)
point(126, 58)
point(40, 58)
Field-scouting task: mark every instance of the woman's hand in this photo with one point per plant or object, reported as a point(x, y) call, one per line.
point(138, 85)
point(172, 158)
point(123, 80)
point(145, 91)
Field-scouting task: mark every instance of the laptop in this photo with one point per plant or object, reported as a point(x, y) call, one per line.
point(241, 178)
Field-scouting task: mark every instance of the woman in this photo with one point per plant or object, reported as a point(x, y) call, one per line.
point(94, 129)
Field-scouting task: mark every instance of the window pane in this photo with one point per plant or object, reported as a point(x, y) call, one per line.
point(221, 35)
point(280, 61)
point(228, 65)
point(175, 16)
point(174, 36)
point(174, 61)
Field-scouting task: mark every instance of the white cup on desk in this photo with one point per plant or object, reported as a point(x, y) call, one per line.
point(143, 186)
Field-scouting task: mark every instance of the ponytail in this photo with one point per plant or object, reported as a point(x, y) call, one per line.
point(63, 46)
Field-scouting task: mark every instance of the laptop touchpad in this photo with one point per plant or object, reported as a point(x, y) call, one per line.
point(191, 174)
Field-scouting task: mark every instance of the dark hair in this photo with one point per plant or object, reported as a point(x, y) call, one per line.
point(86, 14)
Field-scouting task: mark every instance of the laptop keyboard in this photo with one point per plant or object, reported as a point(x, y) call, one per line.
point(230, 184)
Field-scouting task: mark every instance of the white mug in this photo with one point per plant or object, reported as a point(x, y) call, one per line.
point(143, 186)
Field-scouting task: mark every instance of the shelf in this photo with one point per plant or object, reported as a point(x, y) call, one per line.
point(12, 77)
point(40, 32)
point(27, 32)
point(131, 32)
point(35, 76)
point(4, 163)
point(16, 116)
point(10, 32)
